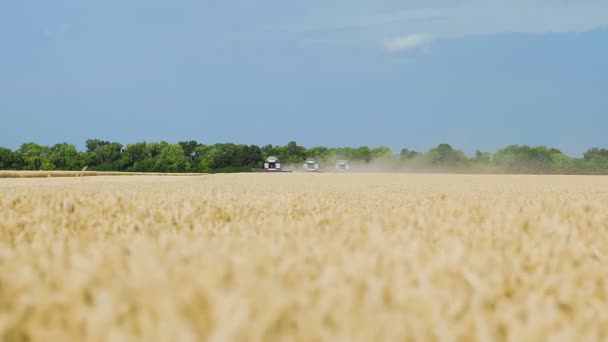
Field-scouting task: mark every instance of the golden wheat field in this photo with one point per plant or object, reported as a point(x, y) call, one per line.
point(304, 257)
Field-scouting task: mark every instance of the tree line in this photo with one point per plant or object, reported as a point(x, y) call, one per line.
point(192, 156)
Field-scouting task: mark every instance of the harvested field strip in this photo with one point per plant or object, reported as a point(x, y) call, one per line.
point(47, 174)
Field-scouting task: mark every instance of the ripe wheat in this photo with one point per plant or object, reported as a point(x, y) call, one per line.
point(304, 257)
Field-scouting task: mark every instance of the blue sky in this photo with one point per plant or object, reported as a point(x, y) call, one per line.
point(476, 74)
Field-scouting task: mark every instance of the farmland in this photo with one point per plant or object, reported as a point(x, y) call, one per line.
point(51, 174)
point(304, 257)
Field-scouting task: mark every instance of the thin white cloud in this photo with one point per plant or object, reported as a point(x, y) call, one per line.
point(384, 22)
point(408, 42)
point(455, 18)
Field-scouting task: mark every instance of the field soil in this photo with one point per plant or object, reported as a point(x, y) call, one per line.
point(304, 257)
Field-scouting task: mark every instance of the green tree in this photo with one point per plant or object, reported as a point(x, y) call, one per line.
point(380, 152)
point(230, 157)
point(340, 153)
point(294, 153)
point(204, 162)
point(136, 152)
point(104, 155)
point(319, 152)
point(7, 159)
point(95, 150)
point(363, 153)
point(270, 150)
point(595, 161)
point(153, 149)
point(34, 157)
point(171, 159)
point(64, 156)
point(444, 154)
point(526, 159)
point(247, 156)
point(189, 148)
point(483, 157)
point(224, 155)
point(406, 154)
point(595, 153)
point(145, 155)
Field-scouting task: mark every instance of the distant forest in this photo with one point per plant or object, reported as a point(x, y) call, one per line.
point(191, 156)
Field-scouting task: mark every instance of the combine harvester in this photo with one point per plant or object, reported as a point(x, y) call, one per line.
point(342, 165)
point(272, 164)
point(311, 165)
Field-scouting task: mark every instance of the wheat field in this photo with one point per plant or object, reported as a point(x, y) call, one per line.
point(304, 257)
point(83, 173)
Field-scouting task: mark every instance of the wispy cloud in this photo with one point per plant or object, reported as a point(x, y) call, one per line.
point(408, 42)
point(370, 23)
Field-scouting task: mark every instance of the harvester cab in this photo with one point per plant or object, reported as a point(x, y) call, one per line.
point(342, 165)
point(272, 164)
point(311, 165)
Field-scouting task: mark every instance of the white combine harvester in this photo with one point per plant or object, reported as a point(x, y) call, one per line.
point(311, 165)
point(342, 165)
point(272, 164)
